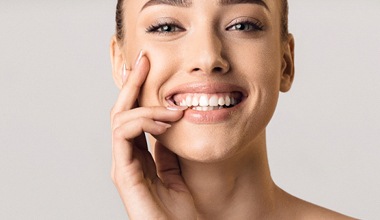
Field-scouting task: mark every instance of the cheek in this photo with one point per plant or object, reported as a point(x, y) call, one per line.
point(163, 64)
point(259, 64)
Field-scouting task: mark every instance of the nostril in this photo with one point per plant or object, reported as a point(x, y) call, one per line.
point(218, 69)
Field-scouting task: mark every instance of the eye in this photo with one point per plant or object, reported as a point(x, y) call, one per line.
point(246, 26)
point(164, 28)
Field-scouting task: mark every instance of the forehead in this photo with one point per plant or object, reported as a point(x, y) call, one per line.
point(132, 8)
point(268, 4)
point(188, 3)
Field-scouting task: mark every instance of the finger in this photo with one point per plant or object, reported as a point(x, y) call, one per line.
point(123, 154)
point(155, 113)
point(129, 93)
point(123, 136)
point(125, 74)
point(168, 168)
point(122, 149)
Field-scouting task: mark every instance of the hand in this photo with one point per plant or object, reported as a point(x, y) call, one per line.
point(149, 190)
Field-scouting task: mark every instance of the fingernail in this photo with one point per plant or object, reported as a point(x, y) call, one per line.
point(139, 58)
point(163, 124)
point(177, 108)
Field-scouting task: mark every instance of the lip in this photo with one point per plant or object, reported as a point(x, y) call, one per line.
point(201, 87)
point(207, 117)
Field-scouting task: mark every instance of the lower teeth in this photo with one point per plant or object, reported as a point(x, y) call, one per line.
point(209, 108)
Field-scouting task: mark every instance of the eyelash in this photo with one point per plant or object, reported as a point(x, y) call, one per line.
point(253, 26)
point(155, 28)
point(173, 27)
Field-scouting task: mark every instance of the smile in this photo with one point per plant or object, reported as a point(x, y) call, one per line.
point(207, 101)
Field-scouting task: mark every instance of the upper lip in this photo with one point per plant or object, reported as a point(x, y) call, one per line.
point(202, 87)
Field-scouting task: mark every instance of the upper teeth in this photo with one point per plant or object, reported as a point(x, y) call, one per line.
point(206, 100)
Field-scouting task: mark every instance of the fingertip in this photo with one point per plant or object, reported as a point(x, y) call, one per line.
point(144, 64)
point(141, 59)
point(177, 108)
point(142, 68)
point(160, 128)
point(141, 53)
point(162, 124)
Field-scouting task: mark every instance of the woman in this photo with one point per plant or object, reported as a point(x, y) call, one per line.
point(205, 84)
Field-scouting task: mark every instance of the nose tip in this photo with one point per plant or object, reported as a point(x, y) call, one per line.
point(217, 67)
point(208, 56)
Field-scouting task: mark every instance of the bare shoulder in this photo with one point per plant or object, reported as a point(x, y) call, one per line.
point(299, 209)
point(312, 211)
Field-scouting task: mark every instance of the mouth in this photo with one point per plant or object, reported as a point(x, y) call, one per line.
point(206, 97)
point(207, 101)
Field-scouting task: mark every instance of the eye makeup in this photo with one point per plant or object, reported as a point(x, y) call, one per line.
point(245, 24)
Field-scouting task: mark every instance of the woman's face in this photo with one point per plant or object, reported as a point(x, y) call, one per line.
point(210, 53)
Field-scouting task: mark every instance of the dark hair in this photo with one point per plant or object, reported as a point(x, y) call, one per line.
point(284, 19)
point(120, 23)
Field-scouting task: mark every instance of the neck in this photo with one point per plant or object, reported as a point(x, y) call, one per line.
point(239, 185)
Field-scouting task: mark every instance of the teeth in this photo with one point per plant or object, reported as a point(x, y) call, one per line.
point(182, 103)
point(221, 101)
point(228, 101)
point(203, 101)
point(233, 101)
point(188, 101)
point(209, 108)
point(213, 101)
point(195, 102)
point(206, 102)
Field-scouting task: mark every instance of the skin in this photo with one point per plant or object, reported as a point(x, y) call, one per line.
point(201, 170)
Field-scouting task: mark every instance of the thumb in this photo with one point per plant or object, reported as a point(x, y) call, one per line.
point(168, 168)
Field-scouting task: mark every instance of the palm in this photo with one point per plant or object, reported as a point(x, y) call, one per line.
point(166, 194)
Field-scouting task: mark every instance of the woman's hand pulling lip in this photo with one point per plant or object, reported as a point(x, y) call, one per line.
point(134, 172)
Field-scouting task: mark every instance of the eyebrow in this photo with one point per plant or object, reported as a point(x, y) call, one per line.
point(178, 3)
point(188, 3)
point(233, 2)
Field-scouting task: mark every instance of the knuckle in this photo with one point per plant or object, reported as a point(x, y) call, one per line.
point(119, 179)
point(150, 112)
point(118, 133)
point(145, 112)
point(141, 121)
point(116, 122)
point(113, 112)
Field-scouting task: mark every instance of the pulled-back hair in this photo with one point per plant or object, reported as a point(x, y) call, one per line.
point(120, 18)
point(119, 21)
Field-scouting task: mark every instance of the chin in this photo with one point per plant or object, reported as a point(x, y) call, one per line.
point(203, 143)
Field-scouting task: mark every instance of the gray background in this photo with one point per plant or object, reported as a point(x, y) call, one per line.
point(56, 92)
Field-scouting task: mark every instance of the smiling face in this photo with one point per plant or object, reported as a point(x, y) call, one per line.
point(225, 59)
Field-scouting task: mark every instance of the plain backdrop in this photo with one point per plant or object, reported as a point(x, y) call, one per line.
point(56, 92)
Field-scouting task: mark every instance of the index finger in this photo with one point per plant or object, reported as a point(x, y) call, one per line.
point(131, 88)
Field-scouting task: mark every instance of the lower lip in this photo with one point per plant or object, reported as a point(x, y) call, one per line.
point(210, 117)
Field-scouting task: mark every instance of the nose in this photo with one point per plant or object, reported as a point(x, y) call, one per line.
point(205, 54)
